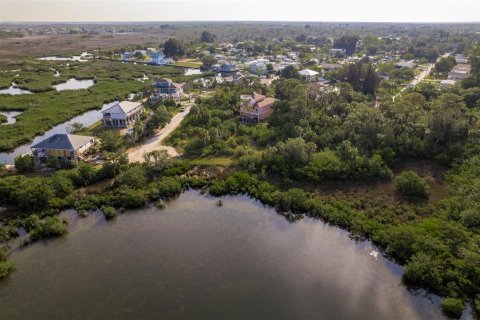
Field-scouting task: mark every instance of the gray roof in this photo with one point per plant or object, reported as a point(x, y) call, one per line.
point(61, 141)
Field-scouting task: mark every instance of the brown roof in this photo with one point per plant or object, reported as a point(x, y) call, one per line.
point(258, 97)
point(266, 102)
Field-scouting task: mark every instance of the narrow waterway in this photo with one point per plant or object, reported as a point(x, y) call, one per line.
point(74, 84)
point(87, 119)
point(194, 260)
point(10, 116)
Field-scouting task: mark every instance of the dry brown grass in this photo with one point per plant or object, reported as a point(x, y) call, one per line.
point(14, 49)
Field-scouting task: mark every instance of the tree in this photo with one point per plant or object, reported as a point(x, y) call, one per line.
point(24, 163)
point(347, 42)
point(207, 37)
point(444, 65)
point(157, 160)
point(138, 55)
point(111, 141)
point(409, 184)
point(173, 48)
point(75, 127)
point(290, 72)
point(134, 176)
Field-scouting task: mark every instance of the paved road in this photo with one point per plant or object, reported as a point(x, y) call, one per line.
point(421, 76)
point(155, 143)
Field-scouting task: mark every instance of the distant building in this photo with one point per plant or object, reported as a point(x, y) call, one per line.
point(165, 87)
point(405, 64)
point(127, 55)
point(460, 58)
point(255, 107)
point(65, 148)
point(122, 115)
point(331, 66)
point(308, 75)
point(227, 67)
point(257, 67)
point(336, 51)
point(459, 72)
point(160, 59)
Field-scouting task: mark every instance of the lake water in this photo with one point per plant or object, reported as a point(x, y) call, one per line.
point(14, 90)
point(73, 58)
point(190, 72)
point(10, 116)
point(194, 260)
point(87, 119)
point(74, 84)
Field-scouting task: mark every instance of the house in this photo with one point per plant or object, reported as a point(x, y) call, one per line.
point(165, 87)
point(257, 67)
point(308, 75)
point(65, 148)
point(255, 107)
point(331, 66)
point(459, 72)
point(460, 58)
point(336, 51)
point(127, 55)
point(122, 114)
point(227, 67)
point(160, 59)
point(405, 64)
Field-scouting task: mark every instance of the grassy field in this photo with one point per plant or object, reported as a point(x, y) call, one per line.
point(43, 110)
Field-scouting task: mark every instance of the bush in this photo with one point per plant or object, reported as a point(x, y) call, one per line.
point(168, 187)
point(5, 267)
point(50, 227)
point(409, 184)
point(24, 163)
point(108, 212)
point(452, 307)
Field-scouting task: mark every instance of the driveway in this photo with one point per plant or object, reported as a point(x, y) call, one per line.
point(155, 143)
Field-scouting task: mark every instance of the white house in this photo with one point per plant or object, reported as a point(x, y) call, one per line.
point(122, 114)
point(308, 75)
point(460, 58)
point(257, 67)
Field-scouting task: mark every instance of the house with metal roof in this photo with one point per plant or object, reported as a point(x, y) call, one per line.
point(65, 148)
point(308, 75)
point(122, 114)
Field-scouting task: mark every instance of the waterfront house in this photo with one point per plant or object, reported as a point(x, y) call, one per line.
point(65, 148)
point(308, 75)
point(122, 114)
point(167, 88)
point(255, 107)
point(160, 59)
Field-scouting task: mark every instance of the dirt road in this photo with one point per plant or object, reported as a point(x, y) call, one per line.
point(155, 143)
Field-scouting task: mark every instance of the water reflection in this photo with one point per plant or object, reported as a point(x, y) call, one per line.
point(10, 116)
point(14, 90)
point(74, 84)
point(190, 72)
point(196, 260)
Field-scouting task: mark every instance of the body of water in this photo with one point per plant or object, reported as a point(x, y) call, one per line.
point(194, 260)
point(190, 72)
point(10, 116)
point(74, 84)
point(87, 119)
point(73, 58)
point(14, 90)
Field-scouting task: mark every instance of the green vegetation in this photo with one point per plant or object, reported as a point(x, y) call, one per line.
point(5, 266)
point(43, 110)
point(3, 118)
point(409, 184)
point(24, 163)
point(108, 212)
point(452, 307)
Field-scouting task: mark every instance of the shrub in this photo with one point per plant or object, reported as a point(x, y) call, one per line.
point(409, 184)
point(5, 267)
point(108, 212)
point(24, 163)
point(50, 227)
point(133, 176)
point(169, 187)
point(452, 307)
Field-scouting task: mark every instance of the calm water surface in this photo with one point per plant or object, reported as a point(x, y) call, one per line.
point(74, 84)
point(87, 119)
point(14, 90)
point(194, 260)
point(10, 116)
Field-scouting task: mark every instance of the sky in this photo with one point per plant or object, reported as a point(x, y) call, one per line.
point(245, 10)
